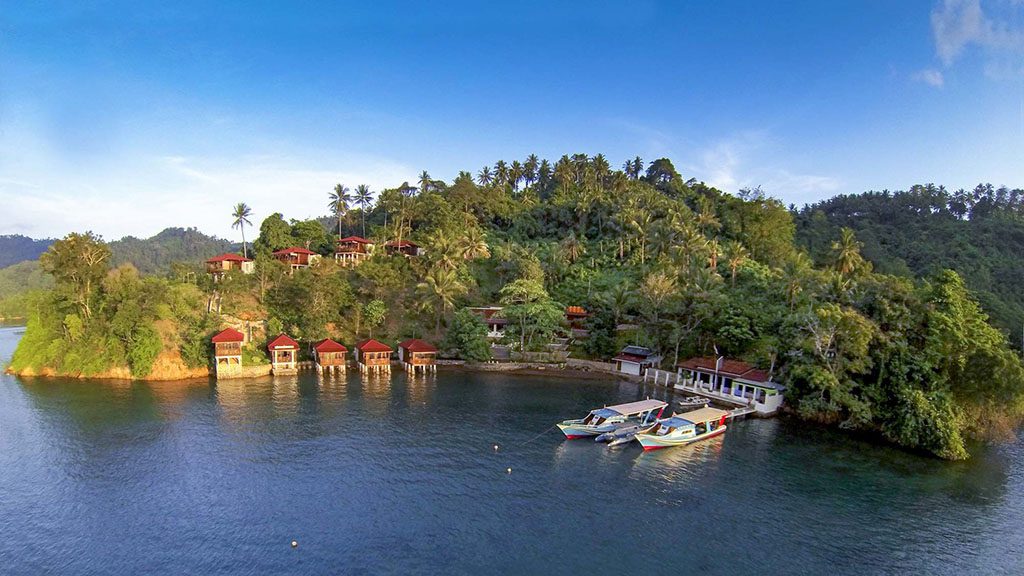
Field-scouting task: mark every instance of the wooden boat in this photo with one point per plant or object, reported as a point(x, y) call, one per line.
point(682, 429)
point(693, 402)
point(612, 418)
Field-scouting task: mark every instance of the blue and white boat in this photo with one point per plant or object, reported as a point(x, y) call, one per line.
point(612, 418)
point(682, 429)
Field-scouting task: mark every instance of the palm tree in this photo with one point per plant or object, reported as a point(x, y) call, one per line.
point(656, 289)
point(572, 247)
point(706, 218)
point(484, 176)
point(474, 244)
point(364, 198)
point(735, 255)
point(425, 182)
point(241, 219)
point(515, 174)
point(530, 169)
point(339, 201)
point(444, 251)
point(442, 286)
point(501, 173)
point(846, 252)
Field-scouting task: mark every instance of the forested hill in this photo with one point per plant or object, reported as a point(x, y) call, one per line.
point(156, 254)
point(16, 248)
point(979, 233)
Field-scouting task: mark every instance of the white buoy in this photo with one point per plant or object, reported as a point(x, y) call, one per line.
point(295, 544)
point(508, 471)
point(495, 447)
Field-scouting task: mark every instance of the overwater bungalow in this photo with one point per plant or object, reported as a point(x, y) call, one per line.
point(352, 250)
point(219, 266)
point(417, 356)
point(284, 355)
point(733, 381)
point(373, 356)
point(296, 258)
point(489, 316)
point(405, 248)
point(635, 360)
point(329, 356)
point(227, 353)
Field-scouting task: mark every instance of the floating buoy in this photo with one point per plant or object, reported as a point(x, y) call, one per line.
point(295, 544)
point(508, 471)
point(495, 447)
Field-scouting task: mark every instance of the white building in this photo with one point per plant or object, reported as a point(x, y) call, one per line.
point(635, 360)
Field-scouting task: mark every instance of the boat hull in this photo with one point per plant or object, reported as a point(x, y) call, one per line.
point(576, 431)
point(653, 442)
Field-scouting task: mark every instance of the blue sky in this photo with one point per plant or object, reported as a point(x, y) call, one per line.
point(125, 118)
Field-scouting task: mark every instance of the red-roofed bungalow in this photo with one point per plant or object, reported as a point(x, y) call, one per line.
point(731, 380)
point(405, 248)
point(296, 257)
point(373, 356)
point(284, 354)
point(218, 266)
point(329, 356)
point(417, 355)
point(352, 250)
point(577, 316)
point(227, 353)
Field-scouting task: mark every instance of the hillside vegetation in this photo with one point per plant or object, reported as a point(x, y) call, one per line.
point(916, 233)
point(695, 270)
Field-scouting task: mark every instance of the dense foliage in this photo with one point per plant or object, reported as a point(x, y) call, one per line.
point(155, 255)
point(979, 233)
point(16, 283)
point(658, 260)
point(98, 319)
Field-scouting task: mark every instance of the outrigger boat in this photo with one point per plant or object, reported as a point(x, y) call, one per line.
point(682, 429)
point(693, 402)
point(612, 418)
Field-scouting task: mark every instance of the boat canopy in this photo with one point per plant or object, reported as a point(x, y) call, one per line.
point(702, 415)
point(630, 408)
point(676, 422)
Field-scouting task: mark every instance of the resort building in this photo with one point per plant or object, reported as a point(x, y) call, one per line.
point(635, 360)
point(489, 316)
point(577, 316)
point(227, 353)
point(373, 356)
point(352, 250)
point(329, 356)
point(296, 258)
point(219, 266)
point(284, 355)
point(731, 380)
point(405, 248)
point(417, 356)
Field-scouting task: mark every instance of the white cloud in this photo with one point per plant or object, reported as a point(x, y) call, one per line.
point(183, 191)
point(958, 25)
point(930, 77)
point(737, 162)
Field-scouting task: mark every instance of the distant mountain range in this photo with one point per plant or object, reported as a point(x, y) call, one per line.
point(149, 255)
point(16, 248)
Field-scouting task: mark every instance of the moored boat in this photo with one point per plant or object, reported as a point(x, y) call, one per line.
point(682, 429)
point(612, 418)
point(693, 402)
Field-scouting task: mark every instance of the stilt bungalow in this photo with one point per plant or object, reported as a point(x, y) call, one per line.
point(219, 266)
point(733, 381)
point(577, 316)
point(417, 356)
point(635, 360)
point(405, 248)
point(296, 258)
point(489, 316)
point(227, 353)
point(352, 250)
point(373, 356)
point(284, 355)
point(329, 356)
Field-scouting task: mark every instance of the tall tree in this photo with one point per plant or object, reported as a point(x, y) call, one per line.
point(241, 220)
point(339, 202)
point(364, 198)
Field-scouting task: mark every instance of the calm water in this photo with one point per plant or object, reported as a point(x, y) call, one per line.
point(399, 476)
